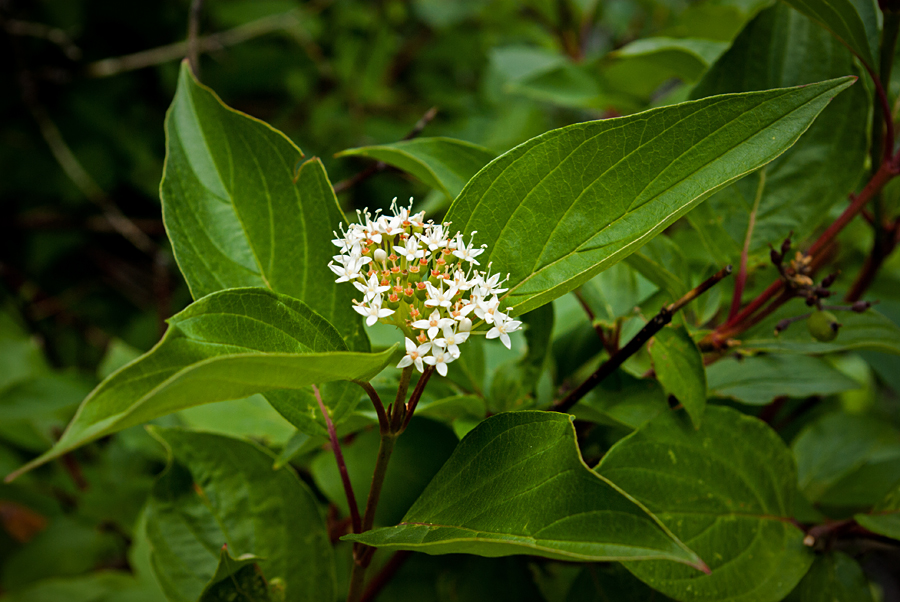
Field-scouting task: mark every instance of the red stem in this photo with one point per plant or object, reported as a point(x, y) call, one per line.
point(342, 466)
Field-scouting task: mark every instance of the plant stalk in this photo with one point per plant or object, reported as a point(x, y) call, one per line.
point(342, 466)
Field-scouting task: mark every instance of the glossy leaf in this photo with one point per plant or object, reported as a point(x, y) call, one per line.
point(516, 484)
point(869, 330)
point(759, 379)
point(445, 164)
point(228, 345)
point(847, 460)
point(853, 23)
point(884, 518)
point(833, 577)
point(607, 187)
point(679, 368)
point(239, 213)
point(794, 193)
point(727, 491)
point(222, 491)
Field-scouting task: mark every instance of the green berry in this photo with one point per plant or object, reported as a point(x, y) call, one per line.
point(823, 326)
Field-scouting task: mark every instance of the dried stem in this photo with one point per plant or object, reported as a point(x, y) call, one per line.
point(651, 328)
point(193, 47)
point(342, 466)
point(178, 50)
point(380, 166)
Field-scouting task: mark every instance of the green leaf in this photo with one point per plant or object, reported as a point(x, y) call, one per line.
point(99, 586)
point(614, 293)
point(854, 23)
point(236, 580)
point(33, 410)
point(794, 193)
point(513, 384)
point(607, 187)
point(222, 491)
point(240, 214)
point(227, 345)
point(679, 368)
point(884, 518)
point(727, 490)
point(847, 460)
point(759, 379)
point(516, 484)
point(869, 330)
point(608, 583)
point(662, 263)
point(833, 577)
point(445, 164)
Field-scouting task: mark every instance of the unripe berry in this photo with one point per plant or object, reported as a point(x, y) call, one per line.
point(823, 326)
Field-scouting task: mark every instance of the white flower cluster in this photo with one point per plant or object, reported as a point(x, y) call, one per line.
point(417, 276)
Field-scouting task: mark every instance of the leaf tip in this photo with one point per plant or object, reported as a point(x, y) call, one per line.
point(702, 567)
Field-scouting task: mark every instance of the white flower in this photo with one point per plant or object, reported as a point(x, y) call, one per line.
point(502, 328)
point(466, 253)
point(414, 355)
point(491, 286)
point(373, 311)
point(487, 310)
point(410, 250)
point(451, 340)
point(439, 359)
point(372, 288)
point(437, 297)
point(434, 237)
point(349, 269)
point(434, 323)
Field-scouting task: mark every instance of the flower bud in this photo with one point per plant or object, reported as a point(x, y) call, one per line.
point(860, 306)
point(380, 255)
point(415, 273)
point(823, 326)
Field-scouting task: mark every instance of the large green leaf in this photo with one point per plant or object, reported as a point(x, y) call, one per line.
point(853, 22)
point(793, 193)
point(222, 491)
point(236, 580)
point(445, 164)
point(833, 577)
point(561, 207)
point(679, 368)
point(760, 379)
point(884, 518)
point(239, 213)
point(227, 345)
point(516, 484)
point(847, 460)
point(727, 491)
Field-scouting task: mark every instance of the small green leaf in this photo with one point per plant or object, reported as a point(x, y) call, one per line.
point(445, 164)
point(516, 484)
point(622, 400)
point(236, 580)
point(727, 490)
point(679, 368)
point(227, 345)
point(833, 577)
point(222, 491)
point(794, 193)
point(239, 213)
point(759, 379)
point(884, 518)
point(855, 24)
point(847, 460)
point(607, 187)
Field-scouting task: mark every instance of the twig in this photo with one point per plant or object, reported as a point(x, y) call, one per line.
point(651, 328)
point(386, 573)
point(416, 395)
point(178, 50)
point(193, 48)
point(342, 466)
point(741, 277)
point(380, 166)
point(598, 328)
point(376, 401)
point(15, 27)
